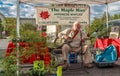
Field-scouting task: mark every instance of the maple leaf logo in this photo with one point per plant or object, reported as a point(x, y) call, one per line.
point(44, 14)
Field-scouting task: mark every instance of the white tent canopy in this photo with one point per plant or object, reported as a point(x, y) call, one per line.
point(69, 1)
point(106, 2)
point(55, 2)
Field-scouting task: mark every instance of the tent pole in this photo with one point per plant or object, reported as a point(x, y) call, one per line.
point(107, 18)
point(18, 36)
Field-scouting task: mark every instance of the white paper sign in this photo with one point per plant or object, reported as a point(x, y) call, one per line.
point(63, 15)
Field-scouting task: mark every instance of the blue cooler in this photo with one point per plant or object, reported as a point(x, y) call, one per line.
point(72, 58)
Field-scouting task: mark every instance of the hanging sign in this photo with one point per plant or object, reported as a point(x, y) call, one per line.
point(63, 15)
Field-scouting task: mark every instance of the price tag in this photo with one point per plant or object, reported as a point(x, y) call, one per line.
point(59, 71)
point(39, 65)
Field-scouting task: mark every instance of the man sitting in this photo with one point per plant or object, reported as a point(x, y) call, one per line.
point(75, 45)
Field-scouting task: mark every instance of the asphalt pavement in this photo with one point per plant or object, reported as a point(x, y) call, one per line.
point(77, 70)
point(3, 44)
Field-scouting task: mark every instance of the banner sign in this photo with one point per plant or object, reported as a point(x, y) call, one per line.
point(63, 15)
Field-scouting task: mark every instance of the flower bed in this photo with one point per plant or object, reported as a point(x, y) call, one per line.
point(41, 53)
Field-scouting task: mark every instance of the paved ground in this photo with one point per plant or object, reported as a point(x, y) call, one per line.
point(77, 70)
point(3, 43)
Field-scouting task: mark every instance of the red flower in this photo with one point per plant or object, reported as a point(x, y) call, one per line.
point(44, 14)
point(44, 34)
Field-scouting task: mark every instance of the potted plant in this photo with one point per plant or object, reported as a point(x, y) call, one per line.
point(34, 46)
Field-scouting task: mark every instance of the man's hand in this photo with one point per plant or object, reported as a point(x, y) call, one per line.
point(65, 37)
